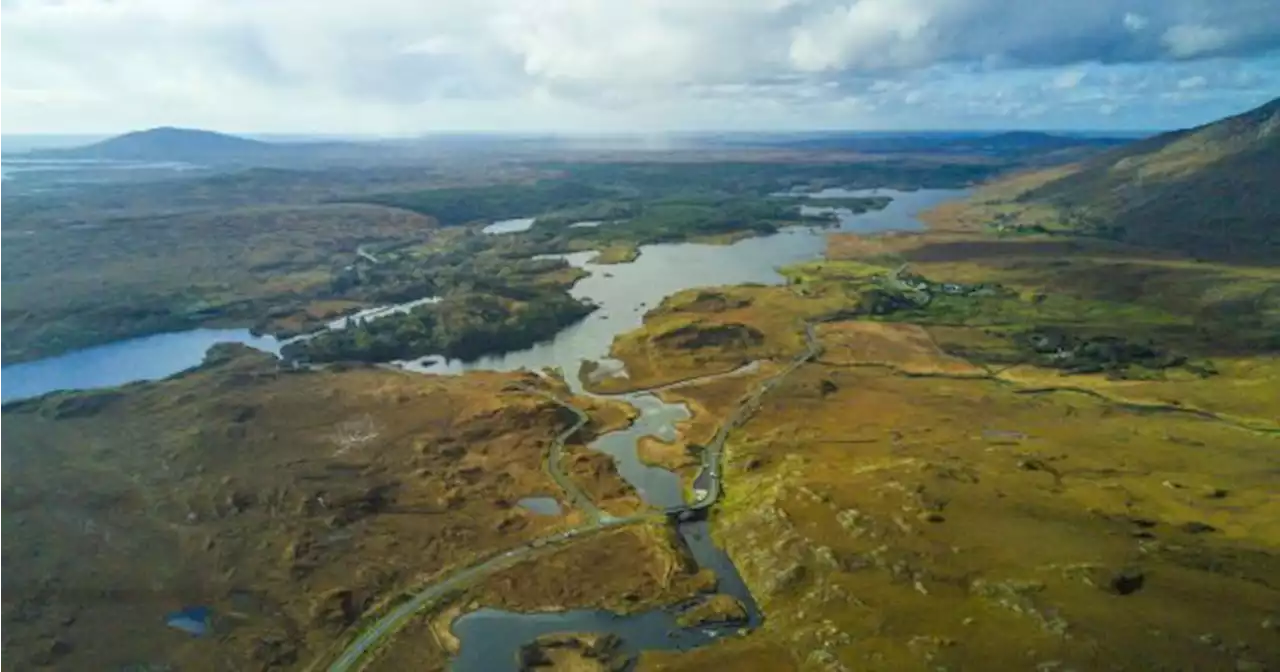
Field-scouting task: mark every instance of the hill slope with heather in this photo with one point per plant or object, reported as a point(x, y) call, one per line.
point(1208, 191)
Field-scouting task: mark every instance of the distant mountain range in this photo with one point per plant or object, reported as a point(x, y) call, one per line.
point(172, 144)
point(1210, 190)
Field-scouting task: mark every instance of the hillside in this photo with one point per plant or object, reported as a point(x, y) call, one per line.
point(1208, 191)
point(168, 144)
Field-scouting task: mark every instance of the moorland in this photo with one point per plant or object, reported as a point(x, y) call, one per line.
point(1023, 438)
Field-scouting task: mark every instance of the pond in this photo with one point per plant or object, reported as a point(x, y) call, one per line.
point(543, 506)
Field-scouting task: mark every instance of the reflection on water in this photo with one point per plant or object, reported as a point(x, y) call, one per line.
point(491, 638)
point(145, 358)
point(546, 506)
point(656, 486)
point(625, 291)
point(509, 226)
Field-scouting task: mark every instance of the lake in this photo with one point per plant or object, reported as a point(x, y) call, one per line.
point(146, 358)
point(624, 292)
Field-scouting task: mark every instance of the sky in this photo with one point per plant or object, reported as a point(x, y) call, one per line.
point(407, 67)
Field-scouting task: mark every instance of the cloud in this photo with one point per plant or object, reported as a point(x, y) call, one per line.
point(1134, 22)
point(404, 65)
point(1195, 82)
point(1192, 40)
point(1068, 79)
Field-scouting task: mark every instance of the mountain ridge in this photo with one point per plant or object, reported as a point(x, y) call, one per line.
point(166, 143)
point(1210, 190)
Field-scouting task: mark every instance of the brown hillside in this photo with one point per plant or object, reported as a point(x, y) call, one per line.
point(1212, 191)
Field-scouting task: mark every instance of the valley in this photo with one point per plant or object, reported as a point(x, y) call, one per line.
point(952, 425)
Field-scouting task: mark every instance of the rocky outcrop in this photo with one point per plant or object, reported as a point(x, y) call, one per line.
point(701, 335)
point(717, 609)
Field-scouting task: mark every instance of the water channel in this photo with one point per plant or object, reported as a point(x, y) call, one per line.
point(490, 639)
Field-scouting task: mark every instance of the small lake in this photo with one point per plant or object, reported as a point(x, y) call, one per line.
point(509, 226)
point(656, 486)
point(543, 506)
point(146, 358)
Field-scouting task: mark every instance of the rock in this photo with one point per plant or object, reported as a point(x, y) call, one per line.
point(52, 650)
point(275, 651)
point(1127, 581)
point(1197, 527)
point(718, 608)
point(1215, 493)
point(1209, 639)
point(335, 609)
point(827, 386)
point(931, 517)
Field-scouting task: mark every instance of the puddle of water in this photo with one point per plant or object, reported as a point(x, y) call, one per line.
point(545, 506)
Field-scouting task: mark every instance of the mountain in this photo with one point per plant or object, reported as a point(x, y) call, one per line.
point(1211, 191)
point(168, 144)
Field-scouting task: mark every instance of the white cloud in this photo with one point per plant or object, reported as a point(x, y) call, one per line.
point(1194, 82)
point(1135, 22)
point(1069, 79)
point(1191, 40)
point(413, 65)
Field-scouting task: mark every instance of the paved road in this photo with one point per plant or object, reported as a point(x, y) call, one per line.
point(578, 498)
point(395, 619)
point(712, 469)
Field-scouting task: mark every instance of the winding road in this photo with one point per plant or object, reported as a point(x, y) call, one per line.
point(394, 619)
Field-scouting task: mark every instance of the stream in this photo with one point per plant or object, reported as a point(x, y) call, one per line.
point(490, 639)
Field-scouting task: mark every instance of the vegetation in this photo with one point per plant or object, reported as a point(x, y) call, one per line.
point(465, 326)
point(452, 207)
point(271, 248)
point(1208, 191)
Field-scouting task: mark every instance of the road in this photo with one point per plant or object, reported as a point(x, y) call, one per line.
point(393, 620)
point(366, 255)
point(555, 458)
point(396, 618)
point(711, 473)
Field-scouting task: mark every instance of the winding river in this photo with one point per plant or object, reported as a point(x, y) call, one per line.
point(490, 638)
